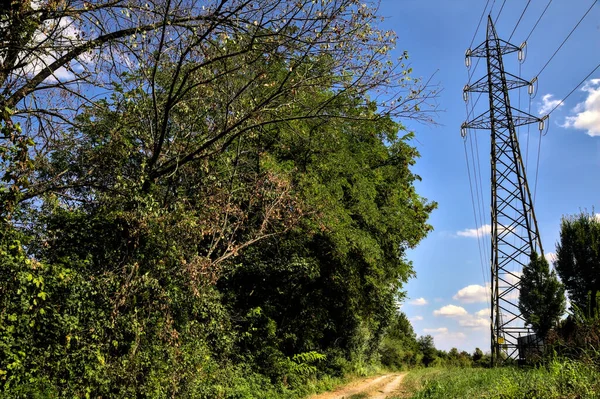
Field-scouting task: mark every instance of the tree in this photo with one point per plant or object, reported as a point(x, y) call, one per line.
point(331, 282)
point(238, 64)
point(428, 349)
point(477, 355)
point(225, 176)
point(578, 260)
point(399, 347)
point(541, 297)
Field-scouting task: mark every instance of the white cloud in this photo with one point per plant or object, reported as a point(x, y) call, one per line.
point(419, 302)
point(474, 233)
point(548, 104)
point(450, 311)
point(441, 330)
point(65, 35)
point(473, 293)
point(445, 339)
point(416, 318)
point(484, 230)
point(476, 293)
point(455, 336)
point(474, 322)
point(512, 278)
point(483, 312)
point(587, 113)
point(550, 257)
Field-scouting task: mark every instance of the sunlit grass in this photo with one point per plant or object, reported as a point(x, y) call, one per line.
point(559, 380)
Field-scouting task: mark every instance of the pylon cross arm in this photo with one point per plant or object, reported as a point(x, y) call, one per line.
point(484, 121)
point(482, 85)
point(505, 48)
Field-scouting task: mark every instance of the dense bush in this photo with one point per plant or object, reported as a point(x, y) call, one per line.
point(225, 214)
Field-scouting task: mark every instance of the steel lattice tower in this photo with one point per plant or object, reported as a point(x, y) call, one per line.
point(514, 231)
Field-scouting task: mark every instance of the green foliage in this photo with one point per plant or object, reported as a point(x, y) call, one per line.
point(131, 292)
point(428, 350)
point(178, 241)
point(541, 296)
point(481, 359)
point(16, 165)
point(359, 396)
point(62, 333)
point(330, 283)
point(578, 260)
point(560, 379)
point(458, 359)
point(577, 338)
point(399, 348)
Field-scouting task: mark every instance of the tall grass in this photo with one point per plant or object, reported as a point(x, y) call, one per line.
point(564, 379)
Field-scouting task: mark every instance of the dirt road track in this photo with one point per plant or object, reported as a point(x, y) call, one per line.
point(376, 388)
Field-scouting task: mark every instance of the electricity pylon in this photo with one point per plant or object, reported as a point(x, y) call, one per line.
point(514, 230)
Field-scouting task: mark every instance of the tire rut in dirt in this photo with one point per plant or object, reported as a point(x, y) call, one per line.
point(367, 387)
point(388, 389)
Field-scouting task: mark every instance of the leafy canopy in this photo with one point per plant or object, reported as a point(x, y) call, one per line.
point(578, 260)
point(541, 296)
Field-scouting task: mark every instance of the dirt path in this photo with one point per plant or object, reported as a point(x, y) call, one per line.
point(389, 388)
point(375, 387)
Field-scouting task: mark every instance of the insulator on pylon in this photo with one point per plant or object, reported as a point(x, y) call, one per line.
point(463, 130)
point(531, 87)
point(542, 123)
point(468, 58)
point(522, 52)
point(466, 93)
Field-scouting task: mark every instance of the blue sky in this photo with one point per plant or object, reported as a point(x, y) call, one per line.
point(448, 298)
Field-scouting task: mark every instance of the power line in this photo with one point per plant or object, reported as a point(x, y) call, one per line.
point(492, 7)
point(538, 21)
point(470, 74)
point(574, 88)
point(481, 202)
point(474, 213)
point(519, 21)
point(568, 36)
point(479, 24)
point(477, 176)
point(476, 165)
point(500, 12)
point(537, 168)
point(475, 35)
point(469, 113)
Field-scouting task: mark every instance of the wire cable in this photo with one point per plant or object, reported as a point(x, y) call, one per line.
point(492, 8)
point(538, 21)
point(479, 24)
point(476, 176)
point(469, 113)
point(537, 168)
point(470, 74)
point(567, 38)
point(481, 202)
point(475, 165)
point(574, 88)
point(474, 213)
point(519, 21)
point(499, 12)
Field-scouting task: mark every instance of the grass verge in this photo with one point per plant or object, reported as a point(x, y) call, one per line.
point(558, 380)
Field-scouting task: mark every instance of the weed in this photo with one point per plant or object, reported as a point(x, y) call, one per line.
point(557, 380)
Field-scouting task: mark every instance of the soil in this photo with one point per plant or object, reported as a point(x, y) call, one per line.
point(380, 387)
